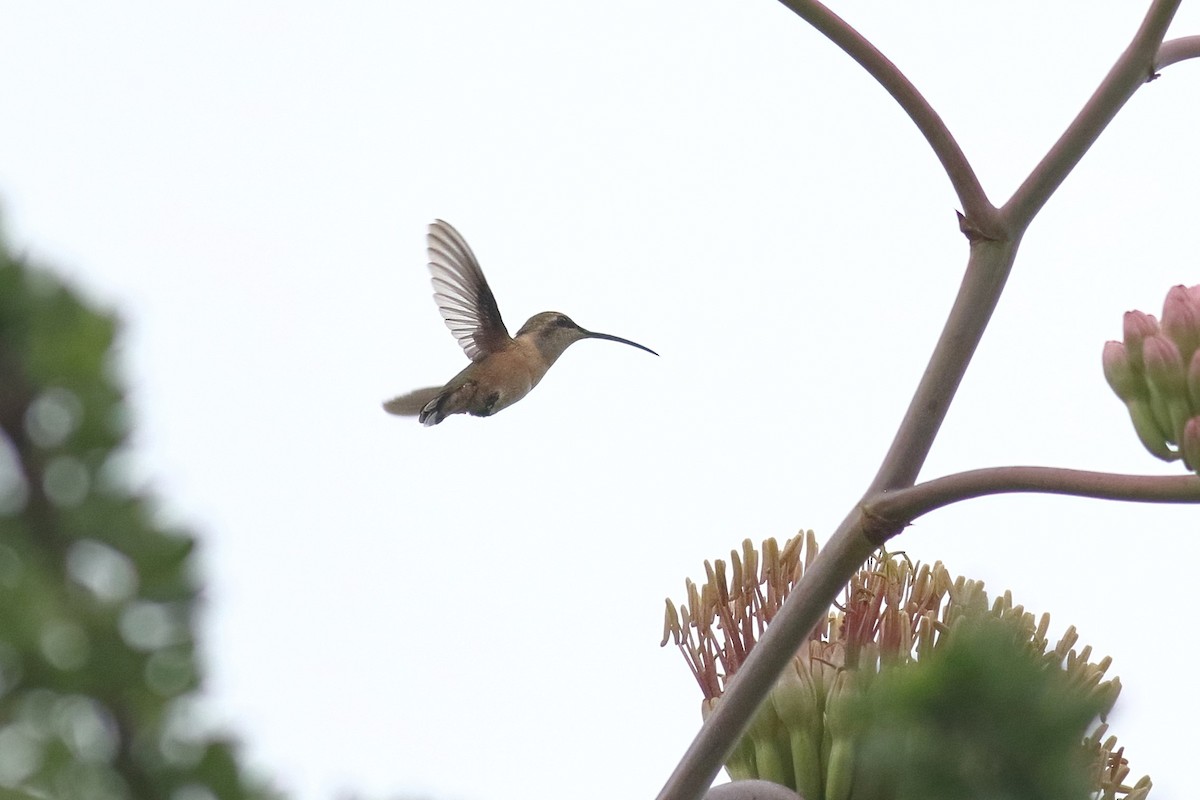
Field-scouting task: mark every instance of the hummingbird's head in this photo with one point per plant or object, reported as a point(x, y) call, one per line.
point(553, 333)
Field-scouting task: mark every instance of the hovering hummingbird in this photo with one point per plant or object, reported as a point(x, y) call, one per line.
point(503, 368)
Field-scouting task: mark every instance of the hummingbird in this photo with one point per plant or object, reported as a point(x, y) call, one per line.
point(503, 368)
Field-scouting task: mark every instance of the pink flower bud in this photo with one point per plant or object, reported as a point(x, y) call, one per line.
point(1181, 319)
point(1190, 445)
point(1138, 326)
point(1149, 430)
point(1193, 381)
point(1120, 373)
point(1167, 378)
point(1164, 366)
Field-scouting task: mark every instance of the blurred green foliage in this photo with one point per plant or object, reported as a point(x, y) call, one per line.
point(983, 716)
point(98, 668)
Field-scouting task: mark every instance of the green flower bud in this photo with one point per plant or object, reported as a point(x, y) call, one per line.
point(1189, 444)
point(772, 746)
point(1193, 381)
point(839, 726)
point(796, 702)
point(1168, 384)
point(1149, 431)
point(1120, 374)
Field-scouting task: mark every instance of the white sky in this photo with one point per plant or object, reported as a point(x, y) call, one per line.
point(473, 611)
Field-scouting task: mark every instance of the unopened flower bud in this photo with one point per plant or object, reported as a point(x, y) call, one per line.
point(1149, 430)
point(1120, 374)
point(1165, 372)
point(1189, 445)
point(1138, 326)
point(1181, 319)
point(772, 746)
point(839, 723)
point(797, 704)
point(1193, 381)
point(1164, 365)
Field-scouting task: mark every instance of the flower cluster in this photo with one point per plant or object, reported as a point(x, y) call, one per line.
point(813, 731)
point(1156, 373)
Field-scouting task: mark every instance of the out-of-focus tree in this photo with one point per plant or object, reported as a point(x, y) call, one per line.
point(98, 667)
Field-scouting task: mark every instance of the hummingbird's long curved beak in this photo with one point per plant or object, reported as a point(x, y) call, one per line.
point(611, 338)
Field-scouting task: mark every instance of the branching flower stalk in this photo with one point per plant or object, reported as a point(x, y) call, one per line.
point(894, 498)
point(808, 736)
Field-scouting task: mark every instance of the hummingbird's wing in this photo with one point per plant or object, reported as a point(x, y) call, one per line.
point(462, 293)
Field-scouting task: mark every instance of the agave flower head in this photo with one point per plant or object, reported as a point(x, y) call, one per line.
point(894, 614)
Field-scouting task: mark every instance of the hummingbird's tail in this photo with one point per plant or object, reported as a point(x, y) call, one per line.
point(413, 403)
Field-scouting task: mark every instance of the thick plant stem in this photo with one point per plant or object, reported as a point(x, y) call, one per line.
point(1133, 69)
point(1177, 50)
point(908, 504)
point(987, 270)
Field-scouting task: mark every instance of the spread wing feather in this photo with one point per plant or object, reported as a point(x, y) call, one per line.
point(462, 293)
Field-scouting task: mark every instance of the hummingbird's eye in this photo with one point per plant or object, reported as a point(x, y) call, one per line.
point(563, 322)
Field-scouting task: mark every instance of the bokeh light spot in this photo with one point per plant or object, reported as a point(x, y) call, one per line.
point(149, 626)
point(193, 791)
point(182, 740)
point(107, 573)
point(116, 474)
point(13, 489)
point(52, 417)
point(86, 728)
point(20, 754)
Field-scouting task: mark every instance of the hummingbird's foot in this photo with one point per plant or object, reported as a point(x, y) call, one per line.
point(489, 406)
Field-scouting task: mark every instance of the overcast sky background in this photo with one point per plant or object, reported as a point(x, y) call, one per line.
point(473, 611)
